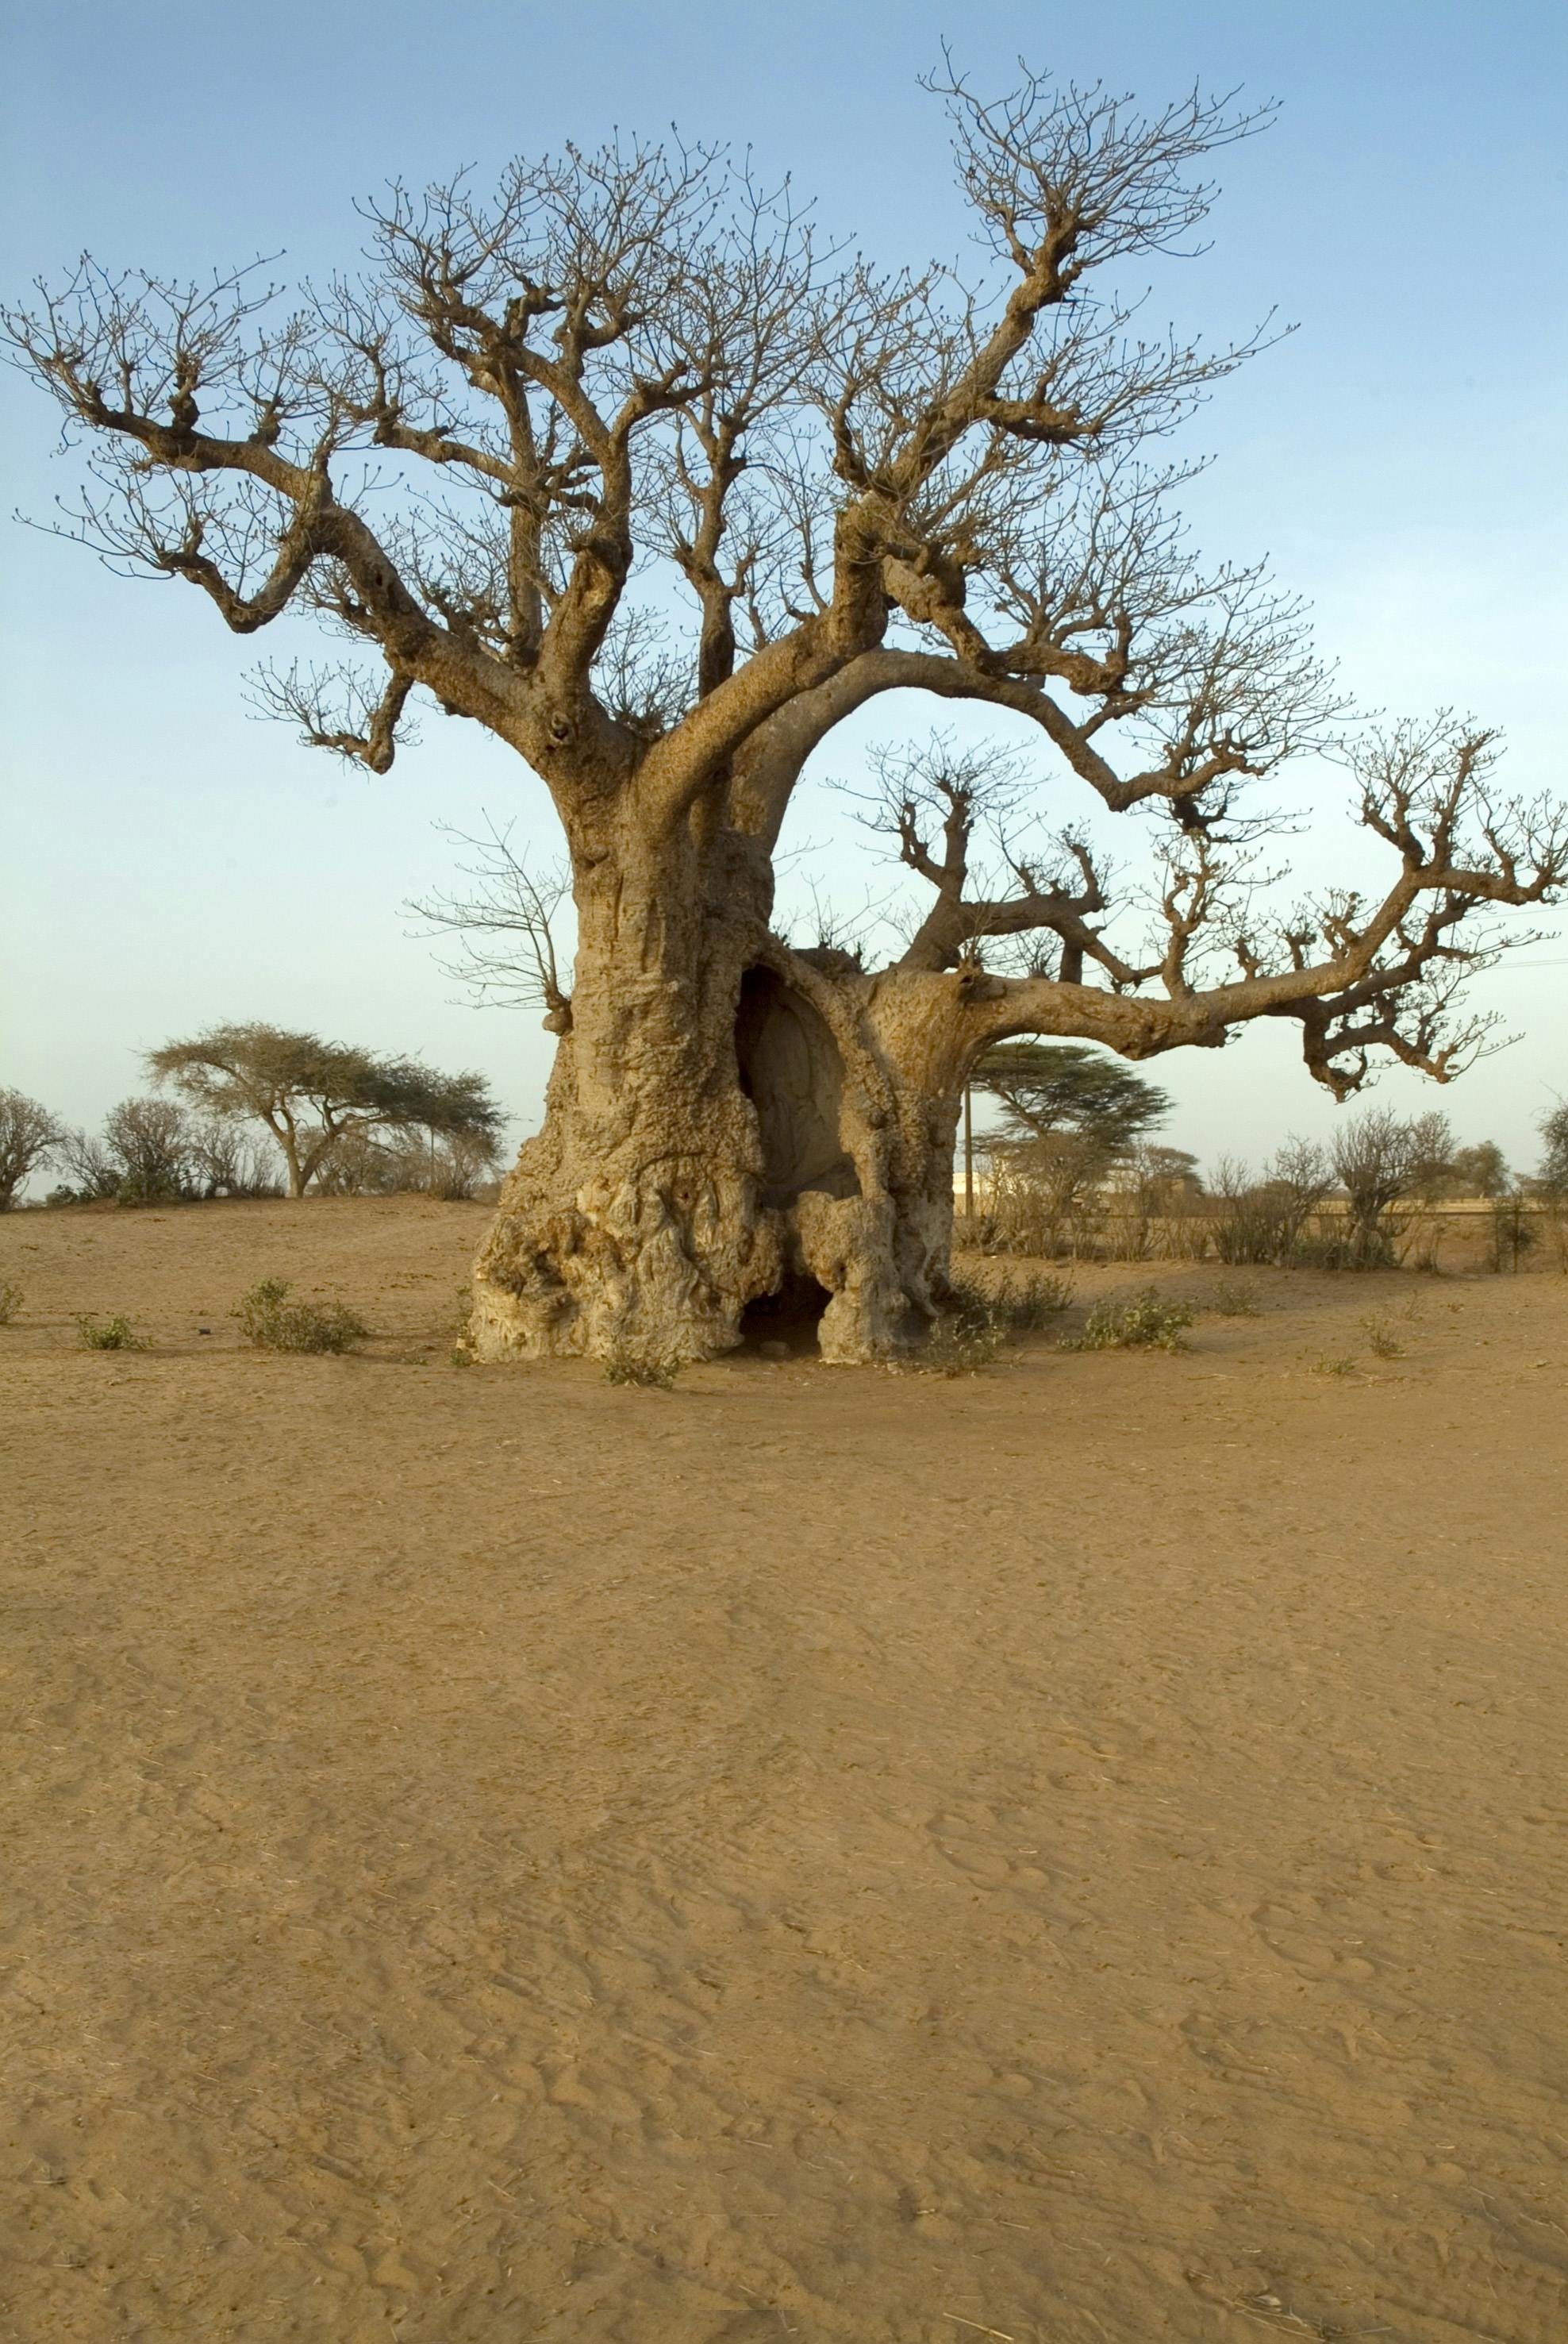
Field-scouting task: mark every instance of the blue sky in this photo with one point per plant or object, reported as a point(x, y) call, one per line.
point(169, 860)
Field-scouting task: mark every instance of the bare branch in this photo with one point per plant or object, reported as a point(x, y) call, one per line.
point(362, 726)
point(506, 927)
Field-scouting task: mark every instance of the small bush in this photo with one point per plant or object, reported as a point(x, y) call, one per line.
point(269, 1320)
point(1042, 1298)
point(1332, 1367)
point(10, 1302)
point(1382, 1339)
point(647, 1372)
point(1022, 1306)
point(115, 1334)
point(1234, 1298)
point(1145, 1322)
point(963, 1340)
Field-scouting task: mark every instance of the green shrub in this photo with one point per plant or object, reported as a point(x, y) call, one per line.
point(1145, 1322)
point(1022, 1306)
point(10, 1302)
point(115, 1334)
point(268, 1319)
point(962, 1340)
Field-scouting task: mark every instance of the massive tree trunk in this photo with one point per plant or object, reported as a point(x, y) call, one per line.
point(738, 1139)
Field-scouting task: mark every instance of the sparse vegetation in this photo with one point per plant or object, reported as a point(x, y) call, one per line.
point(1027, 1301)
point(1145, 1321)
point(115, 1334)
point(1382, 1339)
point(10, 1301)
point(647, 1372)
point(273, 1323)
point(151, 1151)
point(1234, 1298)
point(1340, 1365)
point(963, 1340)
point(1512, 1232)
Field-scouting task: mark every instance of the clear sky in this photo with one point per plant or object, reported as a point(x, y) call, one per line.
point(170, 861)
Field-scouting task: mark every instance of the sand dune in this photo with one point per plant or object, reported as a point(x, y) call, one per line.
point(1073, 1854)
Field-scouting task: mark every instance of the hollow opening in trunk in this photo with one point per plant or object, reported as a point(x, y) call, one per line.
point(791, 1071)
point(790, 1317)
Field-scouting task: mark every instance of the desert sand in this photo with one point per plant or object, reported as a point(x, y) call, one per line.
point(1072, 1854)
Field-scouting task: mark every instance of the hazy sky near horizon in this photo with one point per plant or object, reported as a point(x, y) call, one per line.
point(169, 861)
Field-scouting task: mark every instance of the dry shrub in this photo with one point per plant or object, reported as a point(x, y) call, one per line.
point(647, 1371)
point(1145, 1322)
point(1554, 1220)
point(1027, 1297)
point(1513, 1232)
point(1044, 1195)
point(269, 1320)
point(1382, 1339)
point(10, 1302)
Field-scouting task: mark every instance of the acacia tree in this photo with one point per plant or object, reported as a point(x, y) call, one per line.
point(1045, 1087)
point(313, 1096)
point(633, 382)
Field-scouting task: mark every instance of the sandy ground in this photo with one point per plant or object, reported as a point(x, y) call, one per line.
point(1069, 1855)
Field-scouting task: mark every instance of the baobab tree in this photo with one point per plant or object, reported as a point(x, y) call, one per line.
point(629, 466)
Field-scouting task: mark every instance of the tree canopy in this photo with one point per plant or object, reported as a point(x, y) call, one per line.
point(1044, 1087)
point(311, 1094)
point(29, 1137)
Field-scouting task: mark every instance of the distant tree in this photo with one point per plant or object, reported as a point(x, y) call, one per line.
point(29, 1137)
point(1380, 1157)
point(1479, 1171)
point(225, 1161)
point(425, 1163)
point(1173, 1171)
point(149, 1141)
point(1044, 1089)
point(312, 1094)
point(90, 1172)
point(1552, 1175)
point(1269, 1219)
point(1071, 1116)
